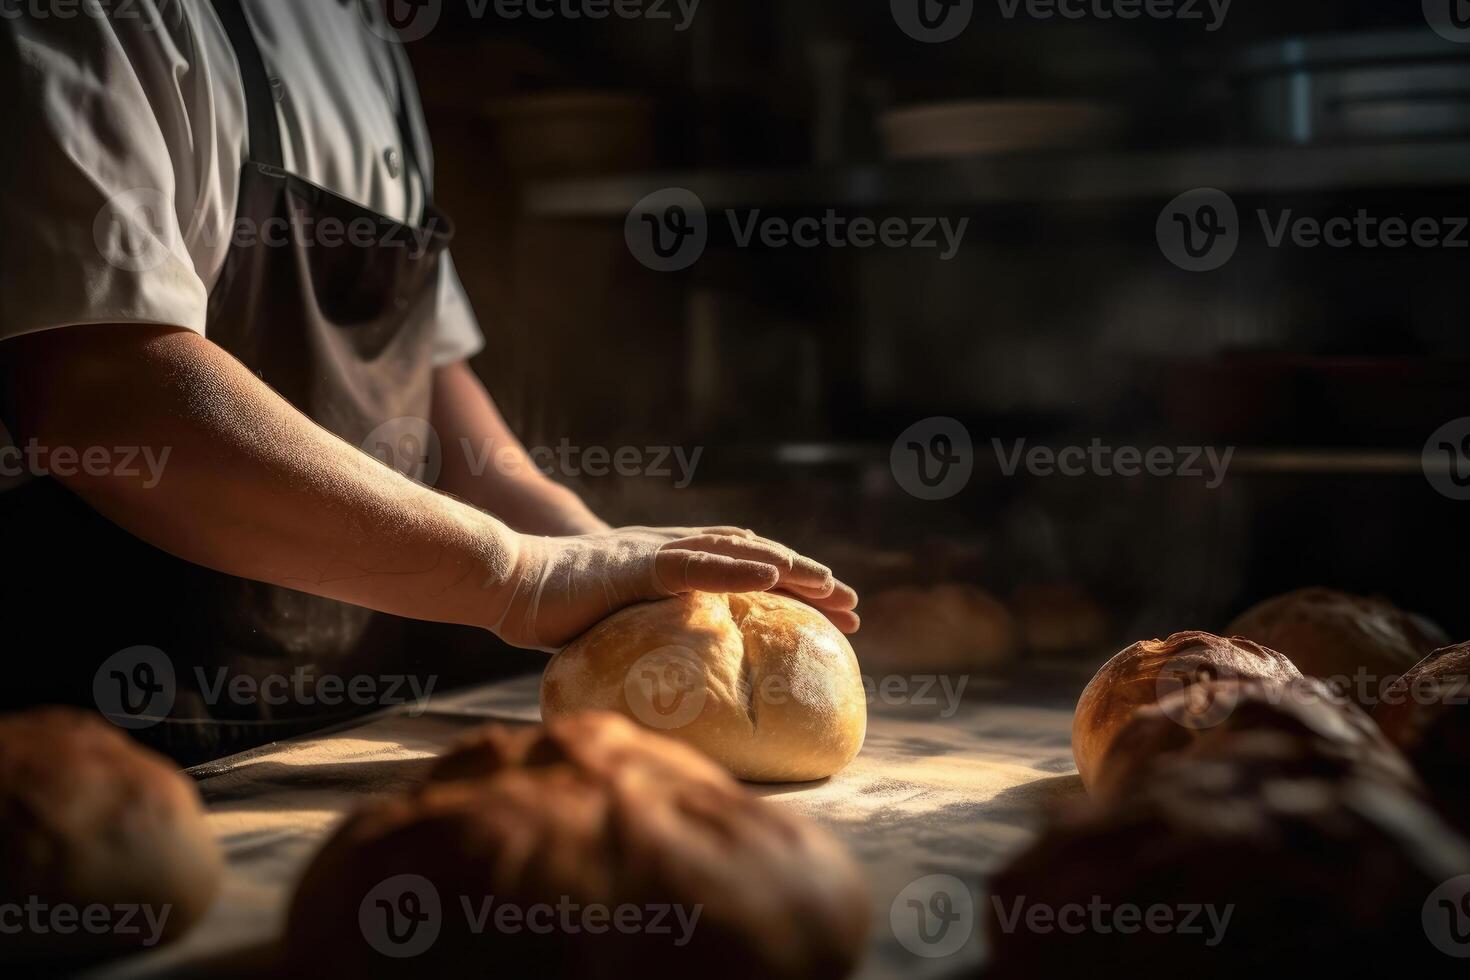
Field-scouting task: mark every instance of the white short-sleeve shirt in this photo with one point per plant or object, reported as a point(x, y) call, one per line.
point(133, 111)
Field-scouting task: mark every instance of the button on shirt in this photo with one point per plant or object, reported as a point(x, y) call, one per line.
point(124, 133)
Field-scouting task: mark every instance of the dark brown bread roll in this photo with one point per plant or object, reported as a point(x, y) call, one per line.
point(1427, 714)
point(1222, 867)
point(1148, 671)
point(591, 815)
point(1357, 643)
point(1325, 733)
point(93, 825)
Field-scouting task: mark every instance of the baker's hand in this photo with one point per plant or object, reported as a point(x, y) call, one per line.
point(561, 587)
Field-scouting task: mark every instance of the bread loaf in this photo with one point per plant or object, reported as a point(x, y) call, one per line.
point(1359, 644)
point(1146, 672)
point(589, 849)
point(762, 684)
point(94, 825)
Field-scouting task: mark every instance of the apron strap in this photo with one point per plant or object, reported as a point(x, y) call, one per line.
point(260, 98)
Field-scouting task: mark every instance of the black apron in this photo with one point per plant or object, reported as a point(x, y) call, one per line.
point(159, 645)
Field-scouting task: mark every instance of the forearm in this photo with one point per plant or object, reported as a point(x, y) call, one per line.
point(485, 465)
point(250, 486)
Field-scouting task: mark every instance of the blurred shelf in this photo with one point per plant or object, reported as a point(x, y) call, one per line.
point(1053, 177)
point(1255, 460)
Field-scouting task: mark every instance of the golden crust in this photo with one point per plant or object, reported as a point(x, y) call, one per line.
point(762, 684)
point(1149, 670)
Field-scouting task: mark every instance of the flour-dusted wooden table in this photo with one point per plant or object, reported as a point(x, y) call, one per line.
point(943, 790)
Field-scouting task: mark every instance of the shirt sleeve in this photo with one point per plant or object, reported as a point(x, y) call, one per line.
point(99, 185)
point(457, 334)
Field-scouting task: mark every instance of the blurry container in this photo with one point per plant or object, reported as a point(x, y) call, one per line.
point(1367, 86)
point(950, 130)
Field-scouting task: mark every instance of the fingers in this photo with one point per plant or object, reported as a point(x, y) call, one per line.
point(678, 571)
point(844, 619)
point(679, 533)
point(737, 532)
point(796, 570)
point(841, 598)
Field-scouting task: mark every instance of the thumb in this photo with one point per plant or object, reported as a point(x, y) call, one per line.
point(677, 572)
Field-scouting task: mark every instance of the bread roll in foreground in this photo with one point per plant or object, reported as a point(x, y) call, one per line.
point(1358, 643)
point(1223, 868)
point(1427, 714)
point(91, 820)
point(1325, 733)
point(1148, 671)
point(762, 684)
point(599, 817)
point(948, 628)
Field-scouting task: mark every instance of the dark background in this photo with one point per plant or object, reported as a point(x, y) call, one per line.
point(1060, 321)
